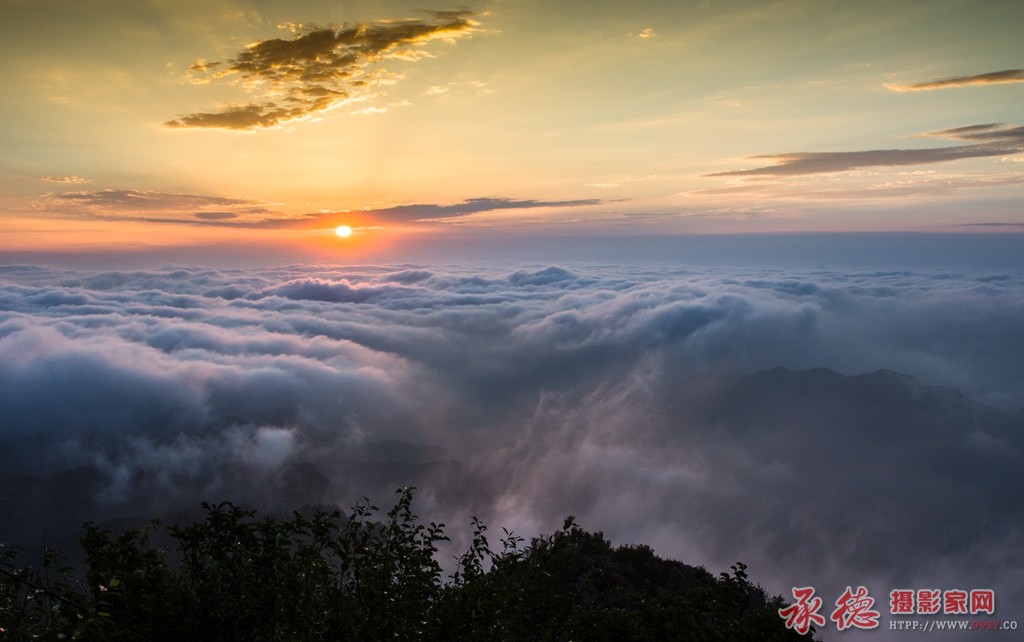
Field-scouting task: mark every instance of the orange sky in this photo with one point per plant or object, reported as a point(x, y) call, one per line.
point(158, 124)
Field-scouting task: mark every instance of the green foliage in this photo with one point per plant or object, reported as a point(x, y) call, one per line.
point(573, 585)
point(126, 576)
point(389, 576)
point(44, 602)
point(238, 576)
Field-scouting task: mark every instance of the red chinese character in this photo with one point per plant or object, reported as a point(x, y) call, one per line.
point(901, 602)
point(954, 601)
point(983, 601)
point(929, 601)
point(854, 609)
point(799, 616)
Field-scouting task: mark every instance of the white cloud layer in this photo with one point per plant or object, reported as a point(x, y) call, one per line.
point(686, 409)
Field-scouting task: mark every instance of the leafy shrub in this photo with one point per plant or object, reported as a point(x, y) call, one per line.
point(238, 576)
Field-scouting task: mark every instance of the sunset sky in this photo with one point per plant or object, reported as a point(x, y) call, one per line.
point(742, 280)
point(135, 124)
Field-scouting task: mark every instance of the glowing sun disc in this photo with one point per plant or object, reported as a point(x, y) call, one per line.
point(344, 231)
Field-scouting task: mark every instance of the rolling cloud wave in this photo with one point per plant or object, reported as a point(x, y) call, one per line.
point(692, 410)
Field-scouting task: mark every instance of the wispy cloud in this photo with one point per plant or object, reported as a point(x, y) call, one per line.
point(1010, 225)
point(200, 209)
point(998, 132)
point(369, 110)
point(216, 216)
point(146, 200)
point(153, 206)
point(66, 180)
point(899, 185)
point(989, 140)
point(994, 78)
point(319, 67)
point(427, 211)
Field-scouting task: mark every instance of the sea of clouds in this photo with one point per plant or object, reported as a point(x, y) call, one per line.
point(687, 409)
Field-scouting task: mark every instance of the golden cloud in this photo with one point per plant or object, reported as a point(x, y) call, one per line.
point(993, 78)
point(318, 68)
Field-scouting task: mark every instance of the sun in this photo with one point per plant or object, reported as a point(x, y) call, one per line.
point(344, 231)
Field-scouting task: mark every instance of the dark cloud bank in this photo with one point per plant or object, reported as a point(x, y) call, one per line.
point(826, 428)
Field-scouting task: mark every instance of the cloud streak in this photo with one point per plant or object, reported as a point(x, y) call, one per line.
point(428, 211)
point(994, 78)
point(319, 68)
point(198, 209)
point(988, 140)
point(66, 180)
point(157, 207)
point(146, 200)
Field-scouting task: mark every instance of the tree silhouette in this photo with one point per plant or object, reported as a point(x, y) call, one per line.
point(236, 575)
